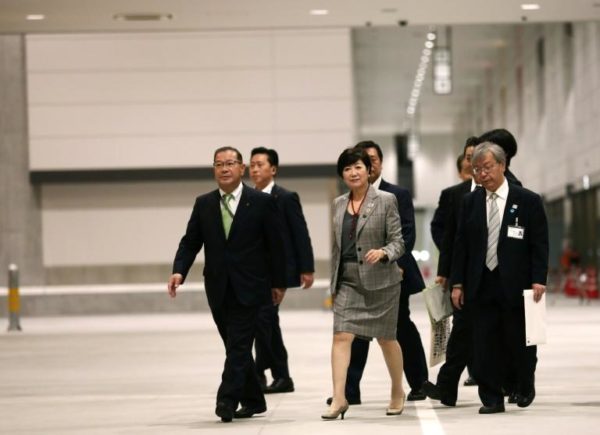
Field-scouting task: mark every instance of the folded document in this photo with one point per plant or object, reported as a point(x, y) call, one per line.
point(438, 302)
point(535, 319)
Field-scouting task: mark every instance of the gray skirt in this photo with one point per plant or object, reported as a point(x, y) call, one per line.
point(366, 314)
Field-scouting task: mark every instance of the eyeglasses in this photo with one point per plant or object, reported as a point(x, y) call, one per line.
point(228, 164)
point(484, 170)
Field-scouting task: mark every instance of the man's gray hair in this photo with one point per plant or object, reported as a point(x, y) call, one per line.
point(483, 148)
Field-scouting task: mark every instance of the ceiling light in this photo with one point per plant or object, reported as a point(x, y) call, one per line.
point(426, 51)
point(431, 36)
point(319, 12)
point(142, 17)
point(35, 17)
point(429, 44)
point(530, 6)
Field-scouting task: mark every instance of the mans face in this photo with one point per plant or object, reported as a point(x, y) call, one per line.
point(489, 173)
point(376, 164)
point(261, 171)
point(468, 157)
point(466, 171)
point(228, 170)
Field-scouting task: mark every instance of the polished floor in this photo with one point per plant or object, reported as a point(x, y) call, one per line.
point(157, 374)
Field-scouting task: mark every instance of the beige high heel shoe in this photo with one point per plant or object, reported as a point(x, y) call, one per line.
point(398, 410)
point(333, 414)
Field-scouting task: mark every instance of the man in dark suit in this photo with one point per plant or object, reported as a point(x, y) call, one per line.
point(501, 248)
point(239, 229)
point(415, 363)
point(270, 350)
point(459, 348)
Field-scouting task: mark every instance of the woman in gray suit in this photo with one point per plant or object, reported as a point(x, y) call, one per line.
point(365, 278)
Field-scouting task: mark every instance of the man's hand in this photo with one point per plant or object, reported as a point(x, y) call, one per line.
point(538, 291)
point(442, 281)
point(306, 280)
point(174, 281)
point(458, 298)
point(374, 256)
point(278, 294)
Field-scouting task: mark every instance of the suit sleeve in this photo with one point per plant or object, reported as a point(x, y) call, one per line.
point(273, 229)
point(449, 233)
point(394, 247)
point(539, 243)
point(459, 251)
point(190, 243)
point(407, 221)
point(439, 220)
point(299, 233)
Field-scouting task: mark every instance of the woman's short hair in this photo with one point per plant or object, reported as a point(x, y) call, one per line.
point(350, 156)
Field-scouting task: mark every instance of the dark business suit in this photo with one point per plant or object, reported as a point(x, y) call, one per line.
point(496, 297)
point(239, 272)
point(415, 362)
point(270, 350)
point(459, 349)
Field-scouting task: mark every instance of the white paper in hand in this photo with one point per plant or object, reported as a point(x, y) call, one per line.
point(438, 302)
point(535, 319)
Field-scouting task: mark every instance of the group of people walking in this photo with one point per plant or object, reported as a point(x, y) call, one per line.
point(492, 236)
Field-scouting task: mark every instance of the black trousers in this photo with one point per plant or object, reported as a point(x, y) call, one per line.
point(237, 325)
point(270, 350)
point(415, 363)
point(499, 342)
point(459, 354)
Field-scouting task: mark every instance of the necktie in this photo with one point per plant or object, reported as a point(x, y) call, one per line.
point(226, 213)
point(491, 258)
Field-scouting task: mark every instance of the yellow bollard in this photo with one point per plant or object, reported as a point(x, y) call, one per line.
point(14, 302)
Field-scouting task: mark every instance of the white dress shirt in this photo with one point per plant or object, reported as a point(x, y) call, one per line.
point(502, 193)
point(269, 187)
point(237, 194)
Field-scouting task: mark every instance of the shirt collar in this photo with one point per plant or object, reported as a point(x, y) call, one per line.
point(269, 187)
point(473, 184)
point(501, 192)
point(237, 192)
point(377, 182)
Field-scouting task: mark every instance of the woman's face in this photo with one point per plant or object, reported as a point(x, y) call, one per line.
point(355, 175)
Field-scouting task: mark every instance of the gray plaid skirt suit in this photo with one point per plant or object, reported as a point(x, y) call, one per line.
point(367, 296)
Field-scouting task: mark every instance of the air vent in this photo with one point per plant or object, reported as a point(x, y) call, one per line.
point(143, 17)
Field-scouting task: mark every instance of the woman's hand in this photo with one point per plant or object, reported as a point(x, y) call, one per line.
point(374, 256)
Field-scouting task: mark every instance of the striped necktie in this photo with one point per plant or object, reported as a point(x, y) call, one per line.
point(226, 213)
point(491, 258)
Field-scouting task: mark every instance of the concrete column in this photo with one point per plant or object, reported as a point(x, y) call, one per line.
point(20, 211)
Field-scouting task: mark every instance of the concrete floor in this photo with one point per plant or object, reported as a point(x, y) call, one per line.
point(158, 374)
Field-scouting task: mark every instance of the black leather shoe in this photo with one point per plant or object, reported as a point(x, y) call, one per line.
point(281, 385)
point(350, 400)
point(524, 400)
point(470, 382)
point(493, 409)
point(434, 392)
point(513, 398)
point(224, 411)
point(415, 395)
point(431, 390)
point(248, 411)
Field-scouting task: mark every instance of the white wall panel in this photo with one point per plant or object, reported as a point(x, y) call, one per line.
point(313, 82)
point(142, 51)
point(149, 119)
point(312, 48)
point(90, 88)
point(313, 115)
point(152, 100)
